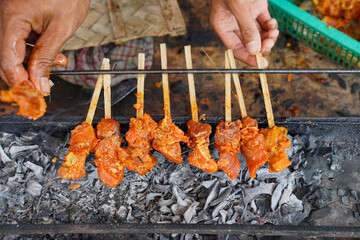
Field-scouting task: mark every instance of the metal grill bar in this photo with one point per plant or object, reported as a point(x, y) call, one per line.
point(207, 229)
point(207, 71)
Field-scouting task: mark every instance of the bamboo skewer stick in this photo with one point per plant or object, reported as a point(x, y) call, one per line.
point(237, 84)
point(107, 92)
point(227, 91)
point(265, 89)
point(96, 94)
point(140, 86)
point(194, 107)
point(165, 81)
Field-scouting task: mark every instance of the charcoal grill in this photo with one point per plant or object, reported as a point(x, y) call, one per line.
point(340, 129)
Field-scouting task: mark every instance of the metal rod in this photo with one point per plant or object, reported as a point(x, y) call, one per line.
point(208, 229)
point(206, 71)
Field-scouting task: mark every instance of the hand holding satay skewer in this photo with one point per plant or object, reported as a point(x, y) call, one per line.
point(252, 143)
point(228, 135)
point(83, 138)
point(167, 136)
point(276, 137)
point(109, 168)
point(198, 133)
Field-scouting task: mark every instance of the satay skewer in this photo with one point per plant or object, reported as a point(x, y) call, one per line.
point(275, 137)
point(140, 86)
point(165, 81)
point(107, 91)
point(96, 93)
point(227, 91)
point(194, 107)
point(237, 84)
point(265, 89)
point(167, 136)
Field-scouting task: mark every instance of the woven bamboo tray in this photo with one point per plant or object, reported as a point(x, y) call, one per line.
point(116, 21)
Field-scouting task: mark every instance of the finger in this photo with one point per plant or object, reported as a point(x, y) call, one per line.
point(267, 45)
point(270, 24)
point(12, 52)
point(44, 54)
point(250, 34)
point(266, 21)
point(272, 34)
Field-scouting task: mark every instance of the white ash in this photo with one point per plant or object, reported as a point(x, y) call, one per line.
point(31, 191)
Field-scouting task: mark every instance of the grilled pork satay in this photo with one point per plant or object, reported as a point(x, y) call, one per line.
point(110, 169)
point(198, 133)
point(30, 100)
point(199, 141)
point(167, 140)
point(228, 135)
point(137, 156)
point(227, 141)
point(167, 136)
point(253, 145)
point(82, 141)
point(276, 142)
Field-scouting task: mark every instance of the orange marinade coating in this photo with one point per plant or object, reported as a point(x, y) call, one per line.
point(198, 134)
point(167, 138)
point(276, 142)
point(110, 169)
point(30, 100)
point(136, 156)
point(253, 145)
point(82, 141)
point(227, 141)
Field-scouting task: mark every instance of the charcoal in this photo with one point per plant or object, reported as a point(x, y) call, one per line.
point(190, 212)
point(217, 209)
point(355, 194)
point(223, 197)
point(3, 157)
point(33, 188)
point(38, 170)
point(341, 192)
point(212, 195)
point(16, 150)
point(345, 200)
point(209, 183)
point(263, 188)
point(179, 196)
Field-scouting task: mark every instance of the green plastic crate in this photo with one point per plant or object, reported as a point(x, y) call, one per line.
point(313, 32)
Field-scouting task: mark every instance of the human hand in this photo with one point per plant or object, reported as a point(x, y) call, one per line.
point(47, 24)
point(245, 26)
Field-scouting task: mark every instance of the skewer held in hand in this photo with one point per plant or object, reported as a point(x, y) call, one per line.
point(237, 84)
point(194, 107)
point(265, 89)
point(165, 81)
point(96, 93)
point(107, 91)
point(227, 91)
point(140, 86)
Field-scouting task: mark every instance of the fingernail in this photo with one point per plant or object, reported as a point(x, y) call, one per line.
point(272, 25)
point(252, 47)
point(44, 85)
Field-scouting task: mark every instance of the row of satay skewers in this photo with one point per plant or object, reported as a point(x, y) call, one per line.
point(258, 146)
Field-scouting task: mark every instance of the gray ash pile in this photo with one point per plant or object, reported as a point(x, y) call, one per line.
point(321, 187)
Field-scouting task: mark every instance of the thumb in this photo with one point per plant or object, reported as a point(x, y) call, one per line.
point(43, 55)
point(241, 9)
